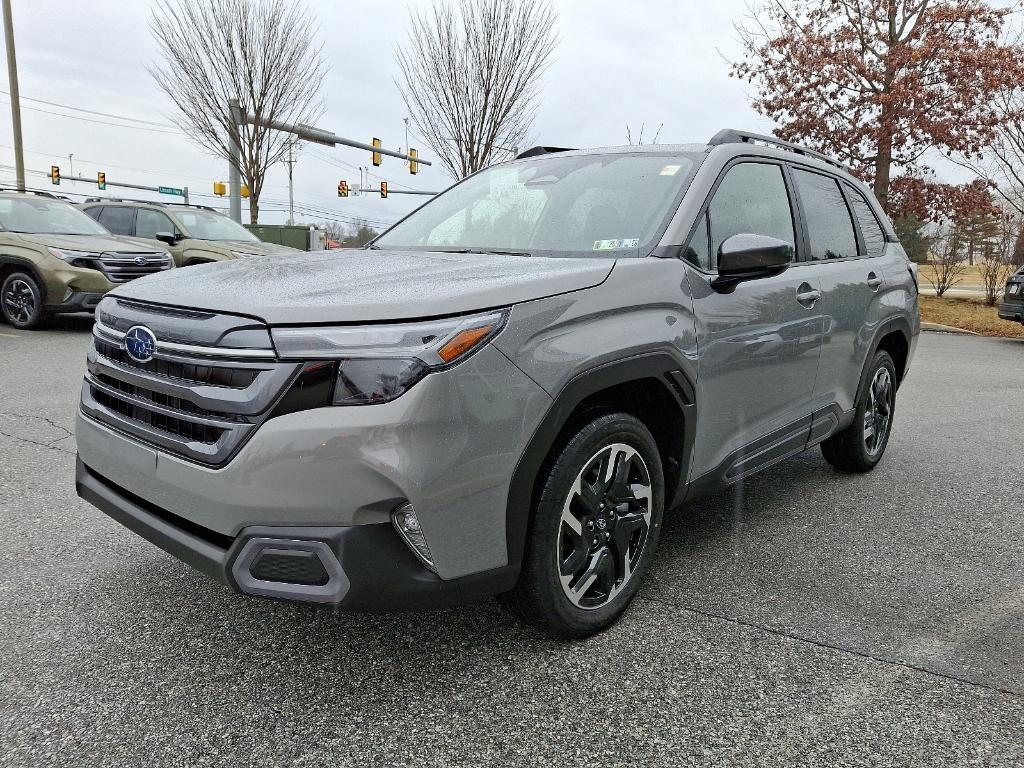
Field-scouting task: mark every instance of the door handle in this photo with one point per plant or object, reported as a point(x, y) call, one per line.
point(807, 295)
point(874, 281)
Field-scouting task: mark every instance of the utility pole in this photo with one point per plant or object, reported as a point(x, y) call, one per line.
point(71, 163)
point(12, 75)
point(234, 178)
point(291, 192)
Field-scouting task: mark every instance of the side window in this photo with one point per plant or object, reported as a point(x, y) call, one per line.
point(829, 225)
point(118, 219)
point(870, 229)
point(698, 252)
point(751, 199)
point(93, 213)
point(149, 222)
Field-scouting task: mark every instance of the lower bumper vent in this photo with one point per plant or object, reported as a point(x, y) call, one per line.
point(289, 567)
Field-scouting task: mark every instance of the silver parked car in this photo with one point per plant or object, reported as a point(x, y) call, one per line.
point(504, 393)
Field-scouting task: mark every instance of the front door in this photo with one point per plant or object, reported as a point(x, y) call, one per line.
point(759, 344)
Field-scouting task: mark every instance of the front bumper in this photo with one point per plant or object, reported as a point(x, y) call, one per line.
point(370, 569)
point(73, 289)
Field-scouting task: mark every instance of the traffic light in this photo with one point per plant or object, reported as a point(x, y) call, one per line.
point(54, 174)
point(220, 188)
point(244, 190)
point(414, 166)
point(376, 155)
point(101, 180)
point(384, 189)
point(342, 188)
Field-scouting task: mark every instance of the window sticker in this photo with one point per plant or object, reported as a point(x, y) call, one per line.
point(611, 245)
point(670, 170)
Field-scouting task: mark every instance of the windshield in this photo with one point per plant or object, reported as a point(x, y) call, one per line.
point(554, 205)
point(45, 216)
point(207, 225)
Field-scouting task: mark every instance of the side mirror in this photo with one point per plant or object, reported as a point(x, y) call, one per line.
point(750, 257)
point(166, 237)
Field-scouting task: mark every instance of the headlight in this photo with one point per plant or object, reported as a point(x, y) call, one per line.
point(244, 254)
point(377, 363)
point(72, 256)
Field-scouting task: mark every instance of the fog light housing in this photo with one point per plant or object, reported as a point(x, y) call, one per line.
point(408, 526)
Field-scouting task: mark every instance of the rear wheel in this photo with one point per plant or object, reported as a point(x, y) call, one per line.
point(859, 447)
point(594, 530)
point(22, 301)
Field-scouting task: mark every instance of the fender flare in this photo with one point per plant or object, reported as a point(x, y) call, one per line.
point(662, 366)
point(26, 264)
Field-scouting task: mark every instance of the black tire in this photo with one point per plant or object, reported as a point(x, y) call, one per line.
point(615, 510)
point(852, 450)
point(22, 301)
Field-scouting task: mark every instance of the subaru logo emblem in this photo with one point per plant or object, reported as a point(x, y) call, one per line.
point(602, 523)
point(141, 260)
point(140, 344)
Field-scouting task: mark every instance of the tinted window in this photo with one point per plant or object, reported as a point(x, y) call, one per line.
point(828, 219)
point(751, 199)
point(119, 220)
point(148, 223)
point(870, 229)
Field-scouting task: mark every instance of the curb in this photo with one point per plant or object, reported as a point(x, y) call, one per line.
point(938, 328)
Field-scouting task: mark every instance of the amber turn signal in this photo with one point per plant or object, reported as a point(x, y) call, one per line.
point(462, 342)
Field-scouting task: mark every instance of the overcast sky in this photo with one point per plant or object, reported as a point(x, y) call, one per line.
point(615, 64)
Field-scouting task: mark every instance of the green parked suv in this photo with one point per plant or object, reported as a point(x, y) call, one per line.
point(194, 234)
point(53, 259)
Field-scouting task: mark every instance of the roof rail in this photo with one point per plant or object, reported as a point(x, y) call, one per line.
point(39, 192)
point(538, 151)
point(139, 200)
point(732, 136)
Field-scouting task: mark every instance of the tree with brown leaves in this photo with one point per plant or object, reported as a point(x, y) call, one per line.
point(877, 83)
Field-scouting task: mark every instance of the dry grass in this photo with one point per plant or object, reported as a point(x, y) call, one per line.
point(970, 276)
point(969, 314)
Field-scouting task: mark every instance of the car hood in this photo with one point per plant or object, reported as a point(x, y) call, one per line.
point(366, 285)
point(246, 246)
point(93, 243)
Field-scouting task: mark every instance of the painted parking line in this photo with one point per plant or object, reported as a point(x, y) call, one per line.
point(10, 335)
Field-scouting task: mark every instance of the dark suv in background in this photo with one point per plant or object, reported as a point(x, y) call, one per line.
point(1012, 305)
point(504, 393)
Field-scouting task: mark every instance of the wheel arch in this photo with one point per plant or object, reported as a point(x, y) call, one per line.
point(9, 264)
point(651, 386)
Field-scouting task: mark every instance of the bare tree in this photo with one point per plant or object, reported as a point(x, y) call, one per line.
point(1001, 162)
point(470, 72)
point(996, 263)
point(948, 267)
point(260, 52)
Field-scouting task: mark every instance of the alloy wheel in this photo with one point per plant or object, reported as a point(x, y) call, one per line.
point(19, 301)
point(604, 526)
point(878, 413)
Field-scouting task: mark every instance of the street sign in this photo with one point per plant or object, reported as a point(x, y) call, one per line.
point(171, 191)
point(376, 155)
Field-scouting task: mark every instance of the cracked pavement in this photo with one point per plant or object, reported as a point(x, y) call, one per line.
point(807, 618)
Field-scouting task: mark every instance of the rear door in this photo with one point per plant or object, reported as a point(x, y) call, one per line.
point(759, 344)
point(119, 219)
point(847, 247)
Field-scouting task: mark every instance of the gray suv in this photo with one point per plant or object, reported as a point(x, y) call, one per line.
point(504, 392)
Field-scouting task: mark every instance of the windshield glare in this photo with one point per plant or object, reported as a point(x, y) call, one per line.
point(45, 216)
point(207, 225)
point(578, 205)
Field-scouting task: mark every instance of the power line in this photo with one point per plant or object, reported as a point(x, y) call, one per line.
point(105, 122)
point(92, 111)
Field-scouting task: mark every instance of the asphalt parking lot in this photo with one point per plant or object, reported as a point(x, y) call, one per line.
point(810, 619)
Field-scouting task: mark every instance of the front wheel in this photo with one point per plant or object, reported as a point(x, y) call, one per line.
point(859, 447)
point(22, 301)
point(594, 530)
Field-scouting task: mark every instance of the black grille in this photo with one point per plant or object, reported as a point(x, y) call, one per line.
point(159, 398)
point(193, 373)
point(187, 430)
point(295, 567)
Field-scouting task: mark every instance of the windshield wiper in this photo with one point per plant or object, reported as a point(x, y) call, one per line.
point(483, 250)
